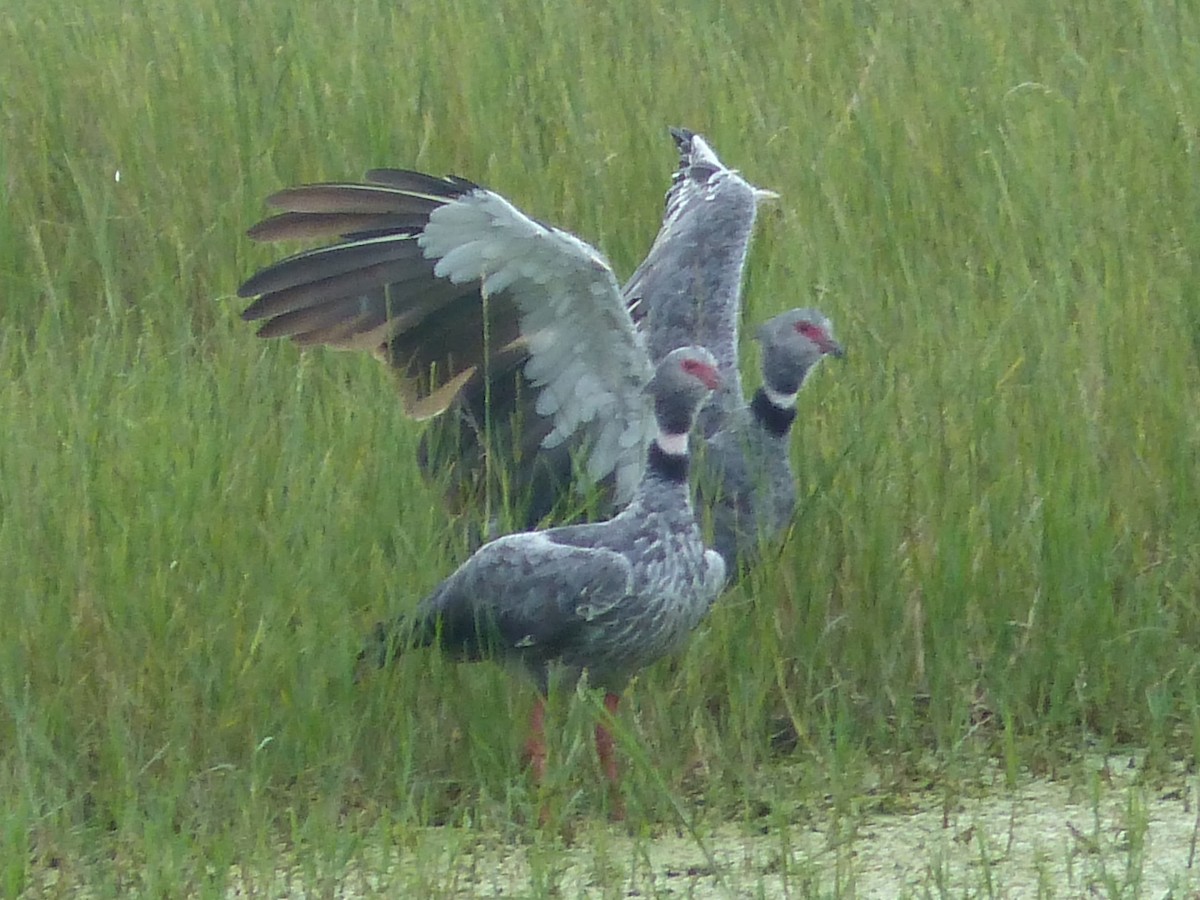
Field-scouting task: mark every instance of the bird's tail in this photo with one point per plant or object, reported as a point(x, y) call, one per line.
point(460, 630)
point(388, 640)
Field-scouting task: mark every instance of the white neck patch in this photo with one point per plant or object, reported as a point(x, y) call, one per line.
point(672, 444)
point(783, 401)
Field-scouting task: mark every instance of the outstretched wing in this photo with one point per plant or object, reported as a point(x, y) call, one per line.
point(585, 356)
point(375, 289)
point(451, 283)
point(689, 288)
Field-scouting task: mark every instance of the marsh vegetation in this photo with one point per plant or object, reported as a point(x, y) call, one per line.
point(994, 573)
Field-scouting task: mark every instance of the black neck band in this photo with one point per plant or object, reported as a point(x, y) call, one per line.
point(668, 466)
point(777, 420)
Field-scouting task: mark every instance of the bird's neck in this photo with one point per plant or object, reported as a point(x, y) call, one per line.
point(668, 458)
point(775, 412)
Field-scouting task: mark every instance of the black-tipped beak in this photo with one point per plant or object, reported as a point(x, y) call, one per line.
point(834, 349)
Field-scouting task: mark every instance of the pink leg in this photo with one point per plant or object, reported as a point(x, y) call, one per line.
point(608, 762)
point(535, 751)
point(535, 747)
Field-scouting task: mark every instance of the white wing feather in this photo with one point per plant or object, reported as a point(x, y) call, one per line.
point(586, 357)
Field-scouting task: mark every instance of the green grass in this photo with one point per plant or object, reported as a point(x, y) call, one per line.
point(999, 555)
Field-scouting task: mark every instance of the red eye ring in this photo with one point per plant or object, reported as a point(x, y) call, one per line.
point(703, 371)
point(814, 333)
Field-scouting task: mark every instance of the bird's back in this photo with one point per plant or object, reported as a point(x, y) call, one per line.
point(609, 597)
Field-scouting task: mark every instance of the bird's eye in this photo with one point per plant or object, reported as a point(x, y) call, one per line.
point(814, 333)
point(703, 371)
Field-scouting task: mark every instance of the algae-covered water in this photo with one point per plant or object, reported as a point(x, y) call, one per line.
point(1115, 834)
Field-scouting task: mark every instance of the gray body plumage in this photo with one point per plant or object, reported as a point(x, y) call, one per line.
point(689, 286)
point(745, 486)
point(744, 481)
point(609, 597)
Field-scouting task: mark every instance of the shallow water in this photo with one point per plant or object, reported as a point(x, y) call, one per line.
point(1110, 836)
point(1105, 831)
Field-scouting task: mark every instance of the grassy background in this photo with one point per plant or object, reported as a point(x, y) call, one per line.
point(998, 206)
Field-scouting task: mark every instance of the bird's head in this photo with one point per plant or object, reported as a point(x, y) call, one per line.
point(682, 382)
point(793, 343)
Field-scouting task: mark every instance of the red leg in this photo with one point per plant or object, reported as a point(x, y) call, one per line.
point(608, 761)
point(535, 747)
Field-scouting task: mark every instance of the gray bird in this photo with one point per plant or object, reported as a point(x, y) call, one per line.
point(587, 367)
point(743, 474)
point(689, 287)
point(607, 598)
point(481, 340)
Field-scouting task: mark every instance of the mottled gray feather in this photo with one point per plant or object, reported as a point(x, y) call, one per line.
point(608, 597)
point(689, 287)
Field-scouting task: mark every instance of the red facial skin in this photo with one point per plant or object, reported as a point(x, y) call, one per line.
point(706, 373)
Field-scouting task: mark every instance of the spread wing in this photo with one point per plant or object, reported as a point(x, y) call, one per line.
point(585, 356)
point(450, 284)
point(375, 289)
